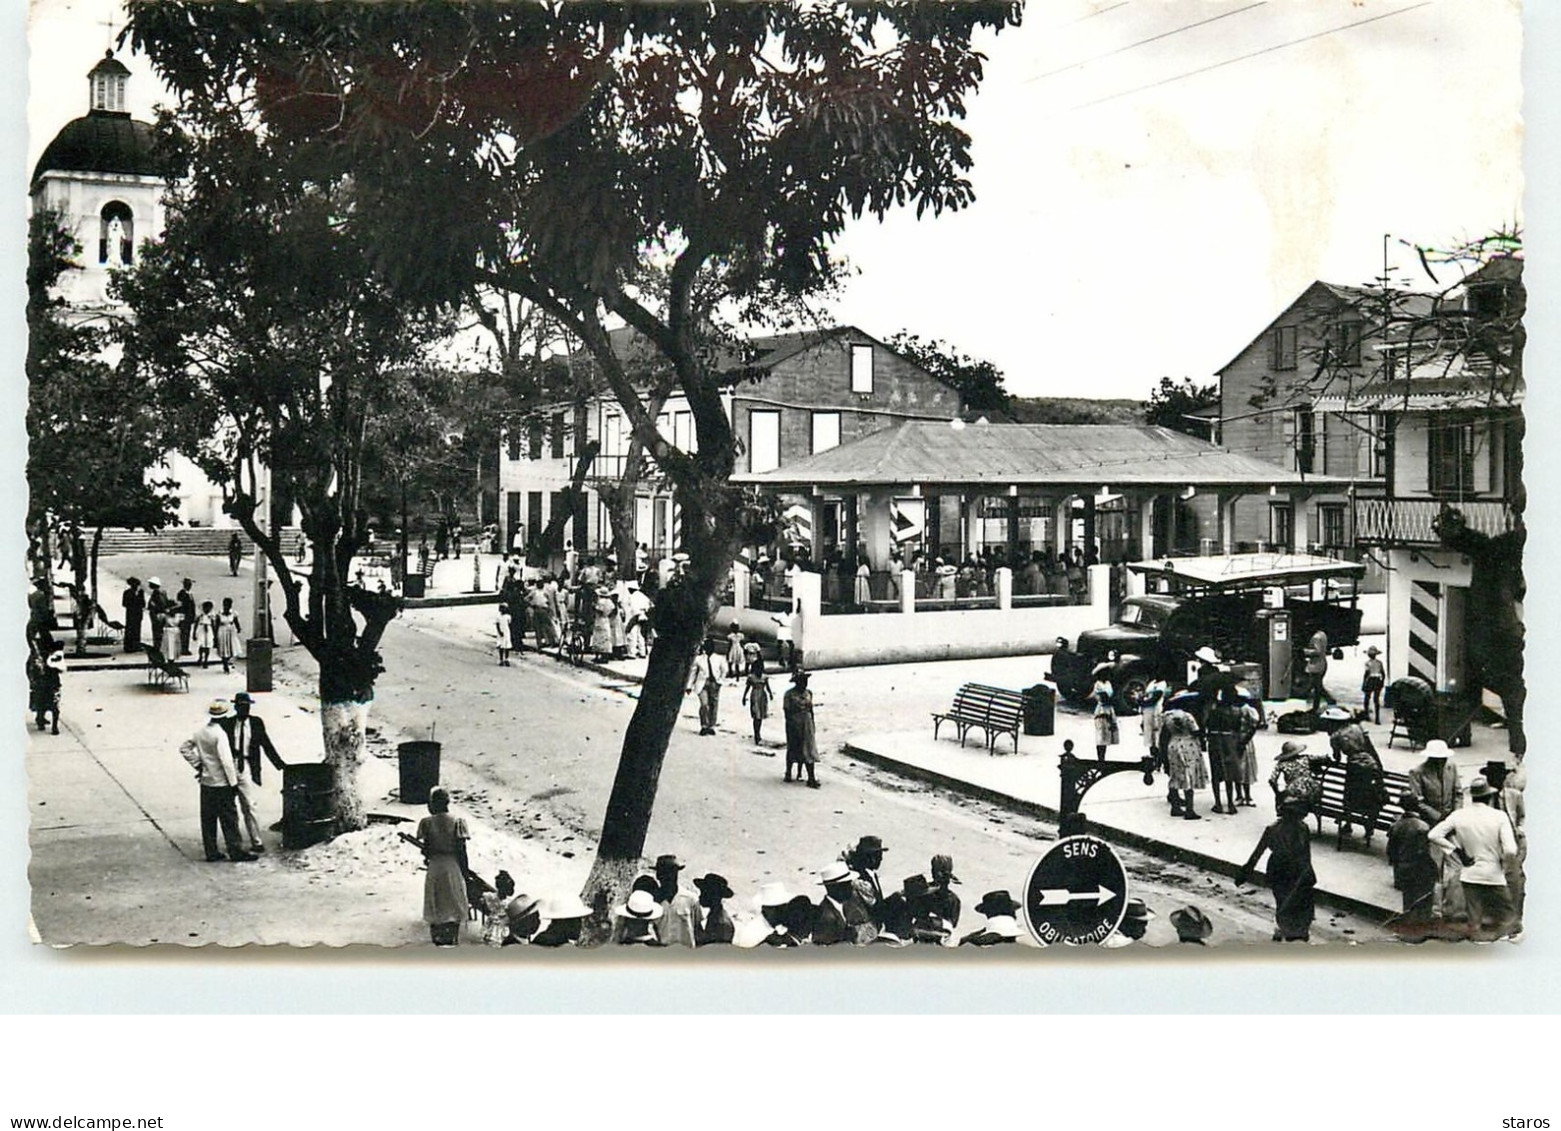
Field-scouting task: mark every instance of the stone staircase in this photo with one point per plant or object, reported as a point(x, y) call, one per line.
point(196, 540)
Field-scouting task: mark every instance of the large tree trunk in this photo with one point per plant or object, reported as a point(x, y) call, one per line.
point(618, 499)
point(345, 693)
point(682, 613)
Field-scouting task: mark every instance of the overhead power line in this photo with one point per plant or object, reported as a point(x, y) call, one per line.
point(1251, 55)
point(1141, 42)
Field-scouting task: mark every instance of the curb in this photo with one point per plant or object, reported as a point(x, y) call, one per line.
point(451, 601)
point(1138, 841)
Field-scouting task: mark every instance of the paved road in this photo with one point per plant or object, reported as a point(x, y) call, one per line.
point(533, 748)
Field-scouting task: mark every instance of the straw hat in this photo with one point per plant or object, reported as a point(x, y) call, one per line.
point(565, 907)
point(772, 895)
point(219, 709)
point(835, 872)
point(641, 905)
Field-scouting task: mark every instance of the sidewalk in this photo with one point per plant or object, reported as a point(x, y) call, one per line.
point(1121, 808)
point(116, 845)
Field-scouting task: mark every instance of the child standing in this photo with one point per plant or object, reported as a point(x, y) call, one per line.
point(757, 695)
point(501, 629)
point(734, 653)
point(227, 634)
point(1372, 682)
point(205, 634)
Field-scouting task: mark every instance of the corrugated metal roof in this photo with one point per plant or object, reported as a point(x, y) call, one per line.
point(1113, 455)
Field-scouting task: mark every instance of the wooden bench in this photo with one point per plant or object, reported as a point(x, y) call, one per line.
point(993, 710)
point(162, 671)
point(1330, 805)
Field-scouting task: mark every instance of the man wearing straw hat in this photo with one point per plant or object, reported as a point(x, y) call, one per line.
point(209, 752)
point(840, 917)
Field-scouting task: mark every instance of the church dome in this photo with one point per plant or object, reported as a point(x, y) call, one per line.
point(101, 142)
point(107, 139)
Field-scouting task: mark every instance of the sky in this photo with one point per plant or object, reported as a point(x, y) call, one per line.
point(1155, 179)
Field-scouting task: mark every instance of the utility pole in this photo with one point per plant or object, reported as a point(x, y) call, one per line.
point(257, 651)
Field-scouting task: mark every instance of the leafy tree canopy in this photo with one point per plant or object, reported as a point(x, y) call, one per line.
point(980, 383)
point(1175, 405)
point(94, 441)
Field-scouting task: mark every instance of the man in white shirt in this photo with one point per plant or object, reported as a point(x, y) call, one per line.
point(209, 751)
point(1481, 837)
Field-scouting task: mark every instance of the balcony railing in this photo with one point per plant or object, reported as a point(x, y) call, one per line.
point(1411, 521)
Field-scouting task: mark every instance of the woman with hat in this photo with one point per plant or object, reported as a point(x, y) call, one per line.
point(1372, 682)
point(565, 916)
point(1002, 927)
point(637, 915)
point(1290, 877)
point(442, 838)
point(801, 742)
point(1293, 779)
point(714, 926)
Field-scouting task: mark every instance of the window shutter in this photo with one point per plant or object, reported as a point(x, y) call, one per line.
point(1291, 457)
point(1365, 441)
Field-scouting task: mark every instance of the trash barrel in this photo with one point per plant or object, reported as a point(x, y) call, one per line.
point(419, 765)
point(413, 586)
point(1040, 710)
point(308, 804)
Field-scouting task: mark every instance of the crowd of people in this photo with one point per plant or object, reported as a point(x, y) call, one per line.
point(851, 905)
point(179, 626)
point(591, 607)
point(1459, 869)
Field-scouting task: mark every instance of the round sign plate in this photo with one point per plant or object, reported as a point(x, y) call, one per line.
point(1076, 894)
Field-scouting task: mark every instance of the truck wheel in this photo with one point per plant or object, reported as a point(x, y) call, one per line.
point(1130, 696)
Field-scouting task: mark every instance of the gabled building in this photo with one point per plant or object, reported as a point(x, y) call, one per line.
point(1323, 344)
point(1448, 403)
point(787, 396)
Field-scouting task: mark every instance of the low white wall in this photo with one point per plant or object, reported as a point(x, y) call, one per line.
point(897, 638)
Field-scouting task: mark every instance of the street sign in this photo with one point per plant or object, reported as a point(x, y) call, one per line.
point(1077, 893)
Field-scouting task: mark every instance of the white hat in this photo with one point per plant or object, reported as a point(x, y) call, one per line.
point(1004, 927)
point(835, 872)
point(565, 907)
point(641, 905)
point(154, 581)
point(1436, 748)
point(1207, 655)
point(772, 895)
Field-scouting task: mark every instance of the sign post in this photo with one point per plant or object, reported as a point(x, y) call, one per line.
point(1076, 894)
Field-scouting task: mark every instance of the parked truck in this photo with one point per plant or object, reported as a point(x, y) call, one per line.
point(1227, 602)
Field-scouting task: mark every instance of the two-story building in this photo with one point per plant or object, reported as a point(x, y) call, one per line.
point(1448, 406)
point(1319, 349)
point(787, 397)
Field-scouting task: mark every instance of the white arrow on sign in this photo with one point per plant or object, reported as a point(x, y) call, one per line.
point(1101, 894)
